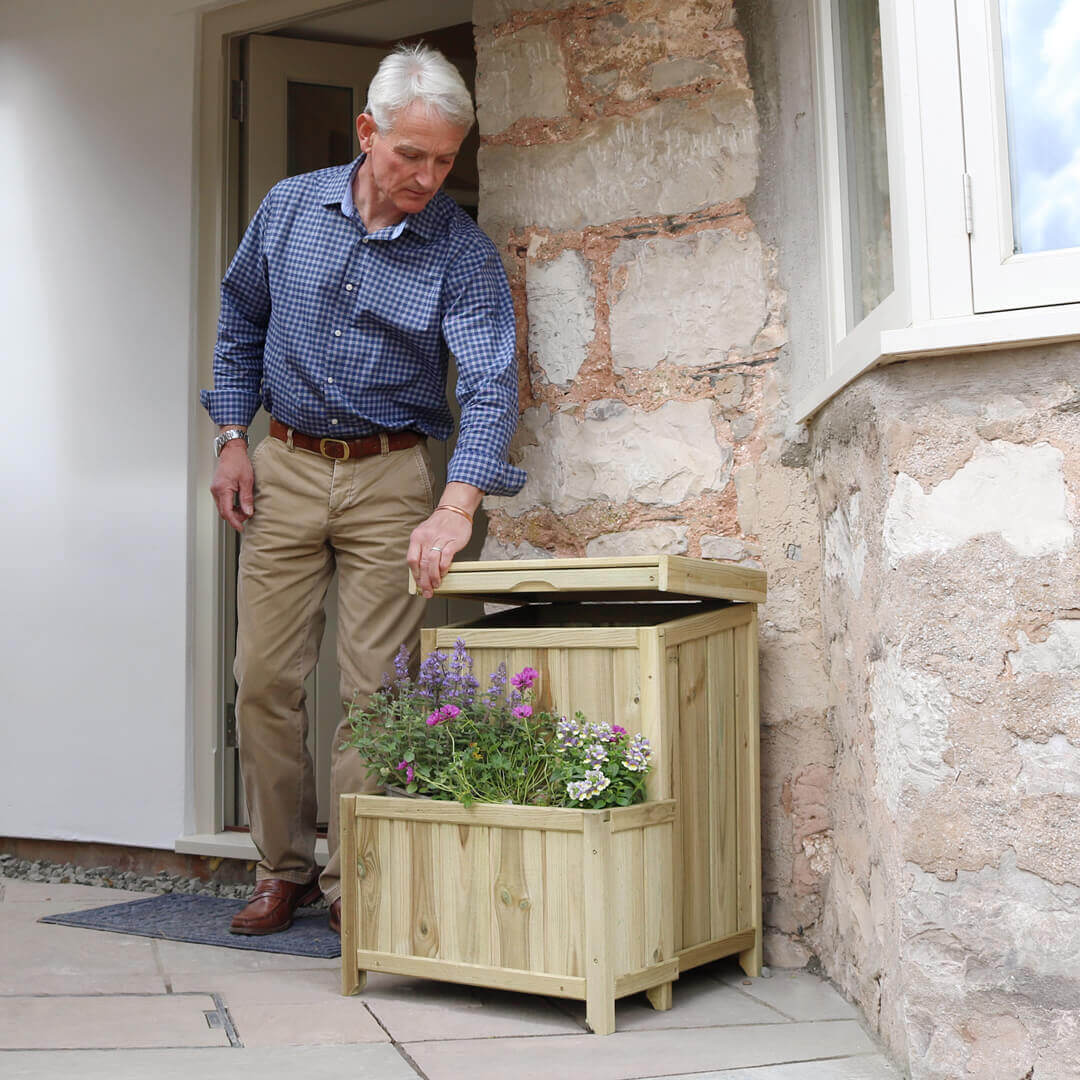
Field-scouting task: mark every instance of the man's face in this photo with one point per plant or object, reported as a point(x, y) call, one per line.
point(410, 161)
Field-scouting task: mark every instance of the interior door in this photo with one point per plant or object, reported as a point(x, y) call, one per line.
point(302, 101)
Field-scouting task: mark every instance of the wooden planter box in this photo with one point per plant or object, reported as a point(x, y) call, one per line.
point(568, 903)
point(679, 663)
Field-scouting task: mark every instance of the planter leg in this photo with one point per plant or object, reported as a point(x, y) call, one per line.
point(600, 1008)
point(750, 960)
point(660, 997)
point(352, 980)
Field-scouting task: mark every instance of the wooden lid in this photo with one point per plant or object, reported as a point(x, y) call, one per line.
point(632, 577)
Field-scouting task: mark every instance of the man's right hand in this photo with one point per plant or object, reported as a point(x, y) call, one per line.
point(234, 476)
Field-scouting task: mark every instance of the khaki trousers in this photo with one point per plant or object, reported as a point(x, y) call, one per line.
point(312, 514)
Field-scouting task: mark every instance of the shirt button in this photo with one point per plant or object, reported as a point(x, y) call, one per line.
point(348, 288)
point(366, 239)
point(337, 333)
point(333, 421)
point(329, 378)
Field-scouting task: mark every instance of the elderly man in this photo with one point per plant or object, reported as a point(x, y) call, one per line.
point(349, 290)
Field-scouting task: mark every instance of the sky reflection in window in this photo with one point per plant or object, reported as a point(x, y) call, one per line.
point(1041, 45)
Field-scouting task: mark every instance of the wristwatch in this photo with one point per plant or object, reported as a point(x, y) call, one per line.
point(227, 436)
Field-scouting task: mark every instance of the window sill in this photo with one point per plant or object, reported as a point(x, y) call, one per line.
point(233, 845)
point(973, 333)
point(948, 337)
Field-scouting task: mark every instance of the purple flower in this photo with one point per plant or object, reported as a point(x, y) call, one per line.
point(460, 683)
point(524, 679)
point(401, 664)
point(432, 675)
point(497, 684)
point(597, 781)
point(522, 712)
point(447, 712)
point(595, 754)
point(618, 730)
point(409, 774)
point(567, 734)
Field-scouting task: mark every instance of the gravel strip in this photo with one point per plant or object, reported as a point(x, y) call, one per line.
point(110, 878)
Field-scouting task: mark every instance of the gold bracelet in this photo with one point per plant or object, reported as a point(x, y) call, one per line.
point(455, 510)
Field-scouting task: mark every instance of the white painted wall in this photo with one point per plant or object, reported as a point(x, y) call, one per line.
point(96, 254)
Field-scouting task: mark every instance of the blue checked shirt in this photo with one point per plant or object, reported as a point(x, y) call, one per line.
point(338, 332)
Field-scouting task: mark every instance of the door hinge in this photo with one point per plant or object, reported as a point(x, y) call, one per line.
point(230, 725)
point(238, 103)
point(969, 215)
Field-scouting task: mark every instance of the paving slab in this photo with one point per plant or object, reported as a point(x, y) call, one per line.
point(797, 994)
point(86, 1022)
point(437, 1011)
point(372, 1061)
point(868, 1067)
point(698, 1000)
point(42, 958)
point(291, 986)
point(632, 1054)
point(18, 890)
point(181, 957)
point(328, 1023)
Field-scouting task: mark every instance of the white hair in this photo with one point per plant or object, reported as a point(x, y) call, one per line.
point(418, 73)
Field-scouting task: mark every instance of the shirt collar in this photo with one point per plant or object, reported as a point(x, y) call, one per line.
point(336, 190)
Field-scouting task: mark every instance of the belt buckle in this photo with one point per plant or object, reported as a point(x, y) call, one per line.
point(334, 457)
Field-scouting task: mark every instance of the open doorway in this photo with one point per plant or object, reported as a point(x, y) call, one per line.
point(296, 92)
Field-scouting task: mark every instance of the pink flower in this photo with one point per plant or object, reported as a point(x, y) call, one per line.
point(524, 679)
point(447, 712)
point(522, 712)
point(409, 774)
point(618, 730)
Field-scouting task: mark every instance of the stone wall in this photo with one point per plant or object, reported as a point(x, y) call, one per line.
point(620, 160)
point(952, 612)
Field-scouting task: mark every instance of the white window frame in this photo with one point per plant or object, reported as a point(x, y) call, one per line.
point(939, 202)
point(850, 352)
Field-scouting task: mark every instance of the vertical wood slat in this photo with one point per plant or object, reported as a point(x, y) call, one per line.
point(723, 792)
point(516, 862)
point(463, 898)
point(626, 677)
point(628, 900)
point(654, 720)
point(748, 710)
point(659, 893)
point(352, 979)
point(423, 911)
point(599, 926)
point(670, 721)
point(563, 944)
point(697, 854)
point(400, 877)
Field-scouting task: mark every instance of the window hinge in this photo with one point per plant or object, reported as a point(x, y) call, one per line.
point(969, 216)
point(238, 104)
point(230, 725)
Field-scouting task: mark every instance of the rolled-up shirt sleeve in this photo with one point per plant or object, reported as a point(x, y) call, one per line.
point(241, 336)
point(478, 327)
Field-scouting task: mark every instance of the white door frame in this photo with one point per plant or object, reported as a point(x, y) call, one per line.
point(215, 217)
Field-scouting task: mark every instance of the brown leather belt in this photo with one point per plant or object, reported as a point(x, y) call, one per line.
point(342, 449)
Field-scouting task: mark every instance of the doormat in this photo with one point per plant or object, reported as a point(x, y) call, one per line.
point(204, 920)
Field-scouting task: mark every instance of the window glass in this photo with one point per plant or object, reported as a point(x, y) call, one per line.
point(1041, 53)
point(864, 168)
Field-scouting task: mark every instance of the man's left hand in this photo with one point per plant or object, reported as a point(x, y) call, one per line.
point(433, 545)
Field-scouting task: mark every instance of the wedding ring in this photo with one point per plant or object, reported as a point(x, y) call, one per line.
point(434, 548)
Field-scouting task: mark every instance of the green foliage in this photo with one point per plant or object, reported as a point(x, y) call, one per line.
point(438, 736)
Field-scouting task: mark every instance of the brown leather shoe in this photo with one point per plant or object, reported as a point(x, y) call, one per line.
point(335, 917)
point(272, 905)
